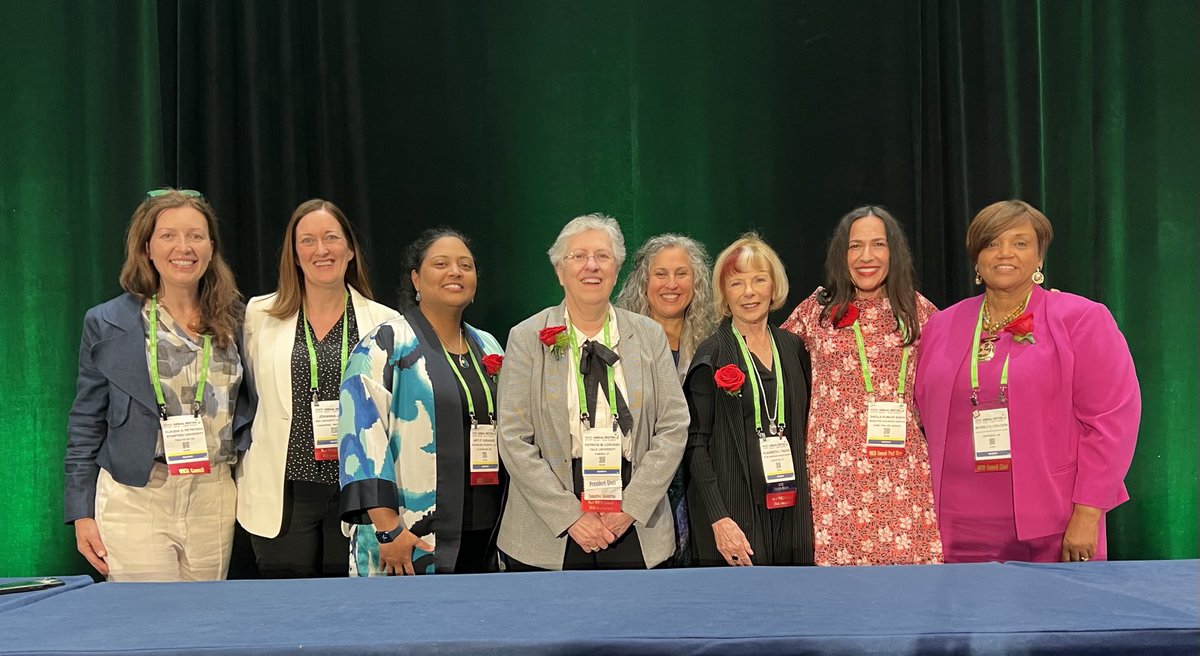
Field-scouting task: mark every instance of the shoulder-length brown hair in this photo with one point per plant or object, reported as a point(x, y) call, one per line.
point(291, 278)
point(900, 287)
point(220, 309)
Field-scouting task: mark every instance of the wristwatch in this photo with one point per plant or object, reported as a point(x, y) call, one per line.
point(384, 537)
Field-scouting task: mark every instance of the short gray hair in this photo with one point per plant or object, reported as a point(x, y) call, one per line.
point(701, 319)
point(581, 224)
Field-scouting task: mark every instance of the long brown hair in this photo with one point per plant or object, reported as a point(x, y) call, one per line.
point(291, 278)
point(900, 286)
point(220, 311)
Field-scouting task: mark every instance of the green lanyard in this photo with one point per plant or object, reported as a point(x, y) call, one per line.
point(487, 391)
point(154, 379)
point(576, 354)
point(312, 352)
point(866, 370)
point(779, 405)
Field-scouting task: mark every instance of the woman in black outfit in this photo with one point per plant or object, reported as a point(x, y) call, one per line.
point(759, 515)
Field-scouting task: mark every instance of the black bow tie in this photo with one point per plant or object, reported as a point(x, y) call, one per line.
point(593, 365)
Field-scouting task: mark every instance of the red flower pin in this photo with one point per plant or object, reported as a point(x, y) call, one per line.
point(1022, 328)
point(848, 317)
point(556, 338)
point(492, 364)
point(730, 379)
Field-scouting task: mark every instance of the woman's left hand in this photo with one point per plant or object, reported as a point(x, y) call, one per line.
point(617, 522)
point(1079, 541)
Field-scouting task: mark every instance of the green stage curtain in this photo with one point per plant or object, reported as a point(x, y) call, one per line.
point(506, 118)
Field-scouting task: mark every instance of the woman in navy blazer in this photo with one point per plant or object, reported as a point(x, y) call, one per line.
point(117, 479)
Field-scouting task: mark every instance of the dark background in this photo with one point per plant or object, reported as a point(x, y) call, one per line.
point(506, 119)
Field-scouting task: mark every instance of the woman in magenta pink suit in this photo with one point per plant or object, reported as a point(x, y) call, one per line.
point(1030, 405)
point(872, 498)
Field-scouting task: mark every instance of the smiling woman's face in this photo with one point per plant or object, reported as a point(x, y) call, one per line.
point(447, 276)
point(589, 272)
point(1007, 262)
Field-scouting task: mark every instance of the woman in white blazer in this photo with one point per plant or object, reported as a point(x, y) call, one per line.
point(297, 343)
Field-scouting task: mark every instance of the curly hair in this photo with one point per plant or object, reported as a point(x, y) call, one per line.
point(700, 320)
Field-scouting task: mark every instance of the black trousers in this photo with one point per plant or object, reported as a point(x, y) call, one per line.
point(625, 553)
point(310, 542)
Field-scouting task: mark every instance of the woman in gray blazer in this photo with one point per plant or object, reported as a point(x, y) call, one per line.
point(592, 421)
point(670, 283)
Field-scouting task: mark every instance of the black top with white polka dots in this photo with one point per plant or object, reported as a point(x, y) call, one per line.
point(302, 465)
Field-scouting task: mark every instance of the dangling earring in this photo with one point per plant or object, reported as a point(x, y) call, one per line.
point(1037, 277)
point(978, 280)
point(418, 297)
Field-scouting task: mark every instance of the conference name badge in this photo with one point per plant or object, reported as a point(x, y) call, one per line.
point(601, 471)
point(184, 445)
point(325, 426)
point(887, 425)
point(485, 463)
point(778, 471)
point(993, 449)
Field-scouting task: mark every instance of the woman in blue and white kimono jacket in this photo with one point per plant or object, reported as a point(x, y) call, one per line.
point(404, 448)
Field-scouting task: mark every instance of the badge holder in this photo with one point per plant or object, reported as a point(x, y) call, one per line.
point(485, 463)
point(325, 429)
point(990, 433)
point(887, 426)
point(601, 469)
point(778, 470)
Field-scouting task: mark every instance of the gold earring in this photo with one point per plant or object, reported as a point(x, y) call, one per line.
point(1038, 277)
point(978, 280)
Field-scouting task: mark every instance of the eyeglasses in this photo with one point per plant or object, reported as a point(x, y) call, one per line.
point(190, 193)
point(603, 258)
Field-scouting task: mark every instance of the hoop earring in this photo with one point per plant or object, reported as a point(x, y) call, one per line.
point(978, 280)
point(1038, 277)
point(418, 297)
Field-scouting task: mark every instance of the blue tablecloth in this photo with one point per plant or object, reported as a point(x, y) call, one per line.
point(1118, 607)
point(18, 599)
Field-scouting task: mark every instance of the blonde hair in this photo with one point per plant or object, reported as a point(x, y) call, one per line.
point(220, 311)
point(749, 252)
point(290, 292)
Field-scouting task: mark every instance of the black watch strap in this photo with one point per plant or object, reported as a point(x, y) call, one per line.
point(384, 537)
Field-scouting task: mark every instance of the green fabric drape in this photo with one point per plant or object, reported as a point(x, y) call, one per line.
point(504, 119)
point(80, 143)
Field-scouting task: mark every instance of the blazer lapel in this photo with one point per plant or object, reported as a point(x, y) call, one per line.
point(123, 356)
point(554, 376)
point(278, 336)
point(631, 349)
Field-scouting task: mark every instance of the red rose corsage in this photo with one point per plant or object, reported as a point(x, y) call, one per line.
point(492, 364)
point(1021, 328)
point(730, 379)
point(849, 316)
point(556, 338)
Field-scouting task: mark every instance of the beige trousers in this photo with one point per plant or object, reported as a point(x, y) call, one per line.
point(177, 528)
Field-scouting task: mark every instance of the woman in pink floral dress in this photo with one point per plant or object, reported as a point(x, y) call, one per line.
point(868, 466)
